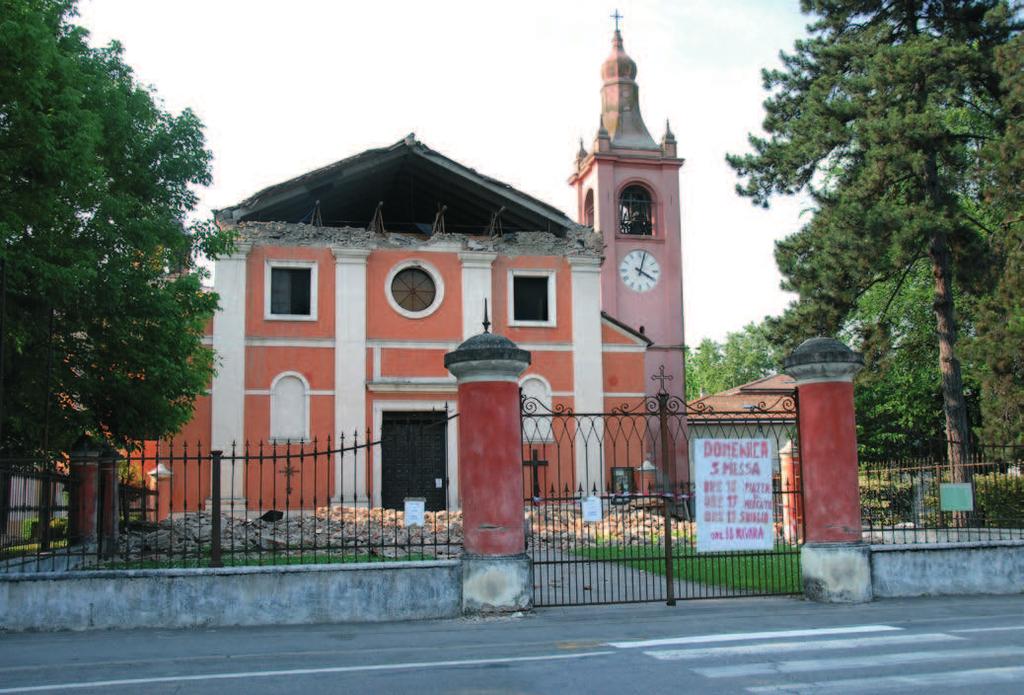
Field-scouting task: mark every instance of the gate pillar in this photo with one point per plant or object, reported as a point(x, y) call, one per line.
point(496, 572)
point(835, 561)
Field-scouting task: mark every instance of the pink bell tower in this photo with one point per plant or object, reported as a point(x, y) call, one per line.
point(627, 188)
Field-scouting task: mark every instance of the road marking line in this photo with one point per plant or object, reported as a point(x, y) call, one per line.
point(870, 661)
point(743, 636)
point(945, 680)
point(989, 629)
point(758, 649)
point(295, 672)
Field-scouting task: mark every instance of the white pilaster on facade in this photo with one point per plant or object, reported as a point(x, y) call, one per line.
point(227, 418)
point(476, 287)
point(350, 369)
point(587, 366)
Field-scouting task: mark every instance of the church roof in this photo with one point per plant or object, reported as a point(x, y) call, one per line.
point(410, 182)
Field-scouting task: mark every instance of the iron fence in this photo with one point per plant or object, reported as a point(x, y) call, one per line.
point(929, 499)
point(636, 460)
point(36, 514)
point(183, 505)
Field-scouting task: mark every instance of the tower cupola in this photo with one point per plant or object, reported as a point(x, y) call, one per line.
point(620, 101)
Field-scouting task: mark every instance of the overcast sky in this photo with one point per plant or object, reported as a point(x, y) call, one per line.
point(506, 88)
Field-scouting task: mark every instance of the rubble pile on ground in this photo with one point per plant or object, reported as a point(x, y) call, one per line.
point(343, 531)
point(562, 527)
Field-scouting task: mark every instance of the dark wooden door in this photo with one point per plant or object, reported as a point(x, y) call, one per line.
point(414, 458)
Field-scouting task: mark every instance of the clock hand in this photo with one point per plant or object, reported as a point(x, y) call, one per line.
point(643, 259)
point(649, 277)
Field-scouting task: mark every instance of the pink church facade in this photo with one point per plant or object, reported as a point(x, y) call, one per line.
point(350, 283)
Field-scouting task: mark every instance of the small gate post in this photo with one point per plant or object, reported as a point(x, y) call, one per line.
point(496, 572)
point(835, 562)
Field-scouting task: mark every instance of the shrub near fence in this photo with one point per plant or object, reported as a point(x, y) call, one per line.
point(901, 498)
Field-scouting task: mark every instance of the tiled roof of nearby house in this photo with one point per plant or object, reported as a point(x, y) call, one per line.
point(772, 393)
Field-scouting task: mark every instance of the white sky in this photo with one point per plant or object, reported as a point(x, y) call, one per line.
point(506, 88)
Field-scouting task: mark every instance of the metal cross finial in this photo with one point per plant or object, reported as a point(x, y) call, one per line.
point(616, 16)
point(487, 323)
point(662, 377)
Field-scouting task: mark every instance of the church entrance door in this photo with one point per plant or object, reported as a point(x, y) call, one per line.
point(414, 461)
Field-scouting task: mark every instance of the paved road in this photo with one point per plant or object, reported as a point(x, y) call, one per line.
point(720, 646)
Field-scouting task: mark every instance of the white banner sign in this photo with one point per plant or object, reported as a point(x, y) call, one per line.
point(734, 494)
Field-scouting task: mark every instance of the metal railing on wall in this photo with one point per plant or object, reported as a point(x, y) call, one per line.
point(183, 505)
point(930, 499)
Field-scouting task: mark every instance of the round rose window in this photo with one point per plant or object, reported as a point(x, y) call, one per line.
point(413, 289)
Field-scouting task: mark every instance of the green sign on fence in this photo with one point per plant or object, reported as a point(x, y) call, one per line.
point(956, 497)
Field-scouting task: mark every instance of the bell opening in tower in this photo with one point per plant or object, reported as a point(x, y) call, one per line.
point(635, 212)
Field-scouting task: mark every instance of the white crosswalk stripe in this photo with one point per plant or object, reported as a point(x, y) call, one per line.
point(769, 647)
point(850, 662)
point(945, 679)
point(896, 659)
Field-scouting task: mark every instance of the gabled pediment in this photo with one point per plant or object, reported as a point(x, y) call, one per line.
point(411, 181)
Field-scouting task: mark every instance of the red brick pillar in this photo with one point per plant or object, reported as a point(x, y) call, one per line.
point(496, 572)
point(835, 561)
point(85, 473)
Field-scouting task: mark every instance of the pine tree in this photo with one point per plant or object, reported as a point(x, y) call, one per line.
point(881, 114)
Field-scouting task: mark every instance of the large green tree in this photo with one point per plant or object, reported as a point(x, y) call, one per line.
point(104, 310)
point(999, 344)
point(881, 114)
point(744, 356)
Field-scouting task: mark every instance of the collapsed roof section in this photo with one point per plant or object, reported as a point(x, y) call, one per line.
point(404, 187)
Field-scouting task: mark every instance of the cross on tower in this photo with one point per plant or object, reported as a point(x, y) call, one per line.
point(616, 16)
point(662, 377)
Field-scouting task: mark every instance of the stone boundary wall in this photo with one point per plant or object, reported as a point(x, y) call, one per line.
point(275, 595)
point(983, 567)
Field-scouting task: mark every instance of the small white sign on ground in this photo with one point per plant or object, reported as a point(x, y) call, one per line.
point(592, 510)
point(414, 509)
point(734, 494)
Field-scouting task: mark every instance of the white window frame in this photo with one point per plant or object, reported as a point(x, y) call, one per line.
point(551, 276)
point(305, 407)
point(313, 294)
point(430, 270)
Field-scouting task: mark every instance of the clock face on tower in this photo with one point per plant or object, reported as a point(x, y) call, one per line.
point(639, 270)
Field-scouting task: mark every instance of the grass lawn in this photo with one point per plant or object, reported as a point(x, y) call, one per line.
point(776, 572)
point(257, 560)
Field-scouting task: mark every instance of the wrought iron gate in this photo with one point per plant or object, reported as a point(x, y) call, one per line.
point(634, 460)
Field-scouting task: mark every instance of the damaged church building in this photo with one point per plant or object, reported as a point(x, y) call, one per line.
point(348, 285)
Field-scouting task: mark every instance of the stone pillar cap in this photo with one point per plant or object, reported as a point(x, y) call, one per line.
point(487, 357)
point(822, 359)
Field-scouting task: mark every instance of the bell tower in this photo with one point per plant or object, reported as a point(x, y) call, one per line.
point(627, 188)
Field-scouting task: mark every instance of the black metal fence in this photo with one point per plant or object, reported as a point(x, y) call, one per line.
point(635, 462)
point(36, 515)
point(929, 499)
point(181, 505)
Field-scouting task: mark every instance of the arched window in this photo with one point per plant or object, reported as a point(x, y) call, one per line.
point(588, 209)
point(537, 424)
point(289, 408)
point(635, 211)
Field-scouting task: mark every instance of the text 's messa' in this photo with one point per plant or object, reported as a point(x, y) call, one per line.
point(734, 494)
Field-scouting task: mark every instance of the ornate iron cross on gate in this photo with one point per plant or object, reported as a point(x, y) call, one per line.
point(662, 377)
point(535, 464)
point(289, 471)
